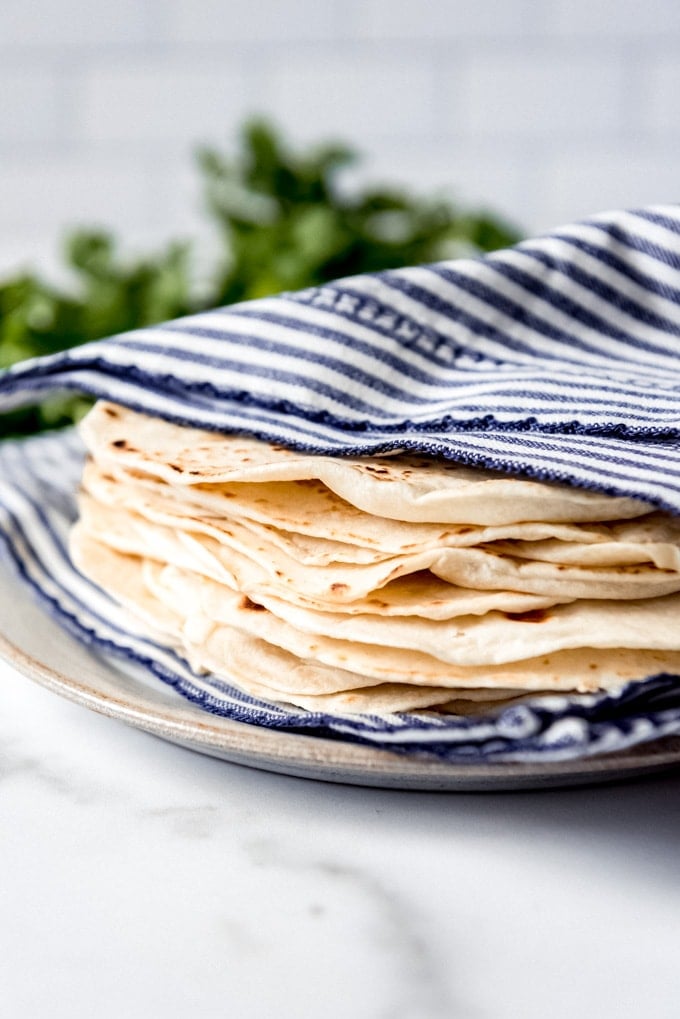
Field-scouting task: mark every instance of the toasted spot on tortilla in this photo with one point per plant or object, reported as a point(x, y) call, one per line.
point(531, 616)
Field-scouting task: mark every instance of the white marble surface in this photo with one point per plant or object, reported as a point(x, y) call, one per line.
point(140, 879)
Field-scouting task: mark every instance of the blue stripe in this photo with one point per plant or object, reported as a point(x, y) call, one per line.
point(641, 244)
point(387, 358)
point(667, 222)
point(624, 268)
point(519, 314)
point(576, 311)
point(476, 326)
point(606, 292)
point(417, 332)
point(255, 371)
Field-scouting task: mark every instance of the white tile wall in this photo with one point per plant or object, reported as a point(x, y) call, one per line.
point(605, 19)
point(360, 101)
point(95, 191)
point(507, 95)
point(546, 111)
point(69, 24)
point(149, 102)
point(251, 21)
point(443, 20)
point(664, 90)
point(29, 108)
point(576, 182)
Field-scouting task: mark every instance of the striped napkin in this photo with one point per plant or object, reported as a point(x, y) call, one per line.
point(557, 359)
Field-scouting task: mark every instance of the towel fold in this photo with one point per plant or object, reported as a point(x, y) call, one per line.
point(557, 359)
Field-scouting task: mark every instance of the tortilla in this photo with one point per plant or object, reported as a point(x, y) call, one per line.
point(623, 544)
point(309, 509)
point(211, 629)
point(249, 562)
point(404, 488)
point(382, 584)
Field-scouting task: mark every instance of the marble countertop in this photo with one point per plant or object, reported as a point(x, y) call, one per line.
point(141, 879)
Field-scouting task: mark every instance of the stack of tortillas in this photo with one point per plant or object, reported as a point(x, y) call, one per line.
point(372, 584)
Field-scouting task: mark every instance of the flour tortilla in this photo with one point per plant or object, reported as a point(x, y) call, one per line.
point(398, 650)
point(211, 643)
point(654, 539)
point(307, 509)
point(376, 585)
point(230, 554)
point(249, 654)
point(249, 661)
point(121, 577)
point(404, 488)
point(162, 505)
point(582, 670)
point(417, 594)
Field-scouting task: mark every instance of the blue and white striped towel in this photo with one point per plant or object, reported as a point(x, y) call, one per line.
point(557, 359)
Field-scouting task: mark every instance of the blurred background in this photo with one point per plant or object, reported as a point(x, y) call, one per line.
point(541, 112)
point(545, 111)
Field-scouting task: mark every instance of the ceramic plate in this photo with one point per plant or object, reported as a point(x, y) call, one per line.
point(37, 647)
